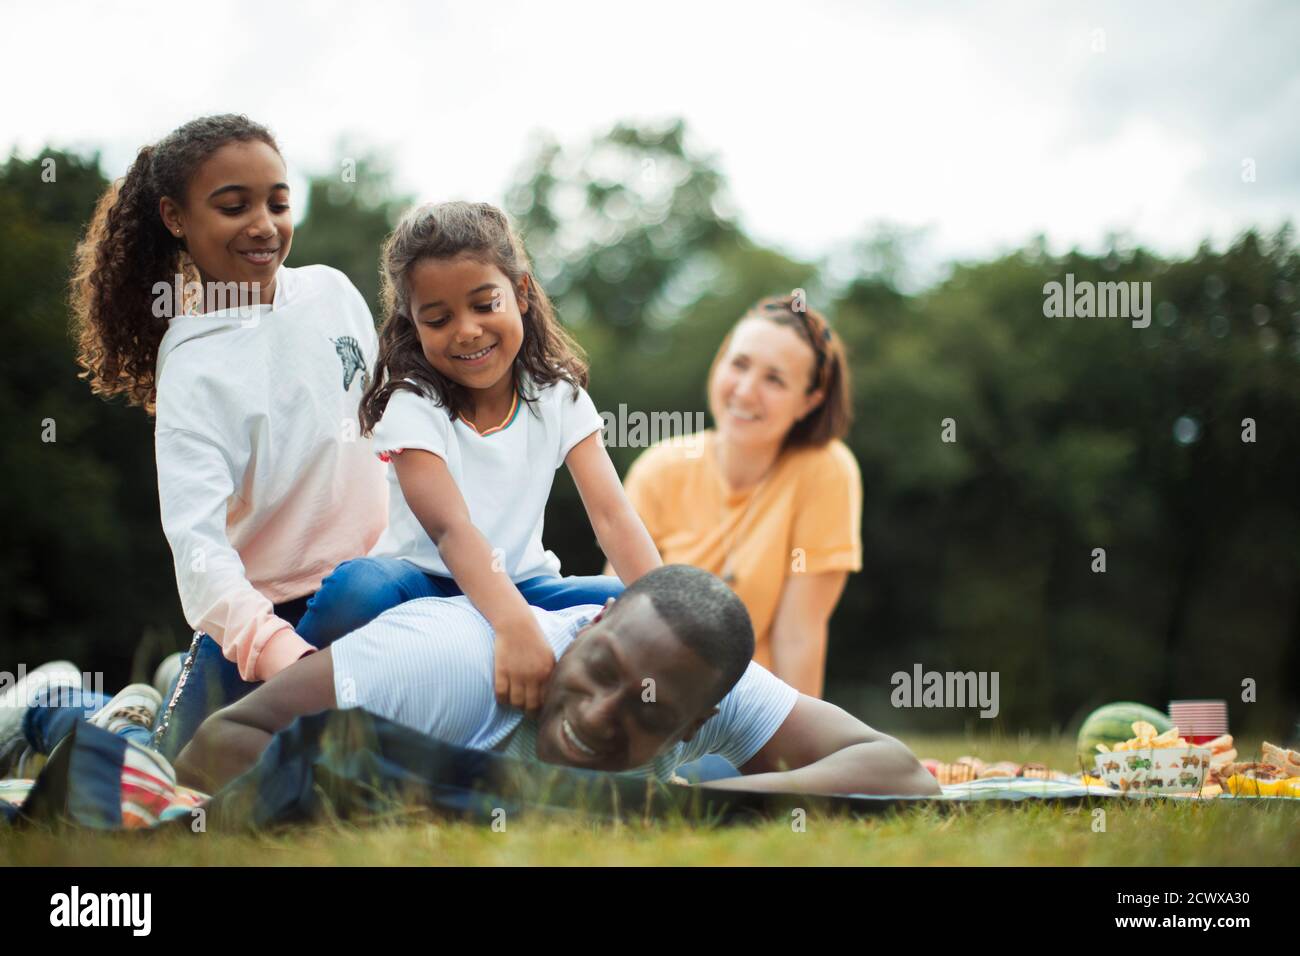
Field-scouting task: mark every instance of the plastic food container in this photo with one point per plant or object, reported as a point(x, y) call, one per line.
point(1155, 768)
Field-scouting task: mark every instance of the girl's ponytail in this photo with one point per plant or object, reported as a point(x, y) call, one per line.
point(126, 250)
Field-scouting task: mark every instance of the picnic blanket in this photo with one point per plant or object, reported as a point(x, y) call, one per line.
point(351, 764)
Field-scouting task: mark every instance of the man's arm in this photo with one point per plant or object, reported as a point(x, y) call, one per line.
point(232, 739)
point(822, 749)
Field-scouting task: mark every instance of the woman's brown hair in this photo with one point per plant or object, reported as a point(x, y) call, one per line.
point(444, 231)
point(834, 414)
point(127, 251)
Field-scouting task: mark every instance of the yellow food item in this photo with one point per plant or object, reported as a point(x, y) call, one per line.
point(1242, 786)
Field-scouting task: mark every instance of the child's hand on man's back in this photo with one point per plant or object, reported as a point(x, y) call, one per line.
point(523, 665)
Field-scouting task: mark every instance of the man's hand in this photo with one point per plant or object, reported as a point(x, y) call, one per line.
point(523, 665)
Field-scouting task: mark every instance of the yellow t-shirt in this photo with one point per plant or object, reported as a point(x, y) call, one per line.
point(805, 516)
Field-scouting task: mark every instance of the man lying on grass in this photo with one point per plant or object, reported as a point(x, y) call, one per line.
point(655, 679)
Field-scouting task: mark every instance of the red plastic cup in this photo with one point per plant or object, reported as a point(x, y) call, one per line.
point(1200, 721)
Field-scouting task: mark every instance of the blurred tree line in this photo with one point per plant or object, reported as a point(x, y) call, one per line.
point(1071, 435)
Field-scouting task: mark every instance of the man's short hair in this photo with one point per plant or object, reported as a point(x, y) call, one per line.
point(705, 615)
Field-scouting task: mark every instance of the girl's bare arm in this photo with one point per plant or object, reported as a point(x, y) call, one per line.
point(620, 531)
point(524, 660)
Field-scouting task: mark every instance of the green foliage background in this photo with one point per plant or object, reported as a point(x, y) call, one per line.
point(978, 553)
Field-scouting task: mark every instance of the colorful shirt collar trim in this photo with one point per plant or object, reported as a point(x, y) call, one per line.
point(509, 420)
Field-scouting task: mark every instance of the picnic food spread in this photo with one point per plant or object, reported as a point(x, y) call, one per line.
point(1277, 775)
point(966, 769)
point(1208, 769)
point(1152, 762)
point(1130, 747)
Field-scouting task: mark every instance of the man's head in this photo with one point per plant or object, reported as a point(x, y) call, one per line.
point(647, 672)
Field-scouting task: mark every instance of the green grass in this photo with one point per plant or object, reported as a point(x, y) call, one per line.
point(1147, 832)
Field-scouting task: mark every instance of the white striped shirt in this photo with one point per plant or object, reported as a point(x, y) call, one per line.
point(427, 664)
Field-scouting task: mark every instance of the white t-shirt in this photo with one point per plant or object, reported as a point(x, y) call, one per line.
point(505, 476)
point(427, 664)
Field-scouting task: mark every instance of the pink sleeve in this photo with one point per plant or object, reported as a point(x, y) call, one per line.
point(251, 635)
point(195, 481)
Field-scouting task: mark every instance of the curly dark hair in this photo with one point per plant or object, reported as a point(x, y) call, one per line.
point(548, 354)
point(127, 250)
point(704, 614)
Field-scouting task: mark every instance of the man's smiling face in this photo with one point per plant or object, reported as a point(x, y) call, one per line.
point(602, 712)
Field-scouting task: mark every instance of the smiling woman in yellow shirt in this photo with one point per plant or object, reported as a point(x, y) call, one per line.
point(770, 499)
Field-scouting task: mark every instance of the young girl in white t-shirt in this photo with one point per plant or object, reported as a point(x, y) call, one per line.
point(478, 398)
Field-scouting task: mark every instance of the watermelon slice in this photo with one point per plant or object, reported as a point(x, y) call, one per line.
point(1112, 724)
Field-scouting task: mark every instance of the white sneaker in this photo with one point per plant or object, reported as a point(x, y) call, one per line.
point(15, 701)
point(166, 673)
point(136, 704)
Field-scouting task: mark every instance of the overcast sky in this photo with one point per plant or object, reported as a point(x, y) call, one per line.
point(981, 124)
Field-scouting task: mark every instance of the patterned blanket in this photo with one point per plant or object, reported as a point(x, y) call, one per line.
point(351, 764)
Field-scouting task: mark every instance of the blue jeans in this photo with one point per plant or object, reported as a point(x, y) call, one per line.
point(47, 722)
point(709, 767)
point(210, 682)
point(361, 589)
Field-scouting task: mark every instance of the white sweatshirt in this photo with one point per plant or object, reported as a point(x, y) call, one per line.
point(264, 481)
